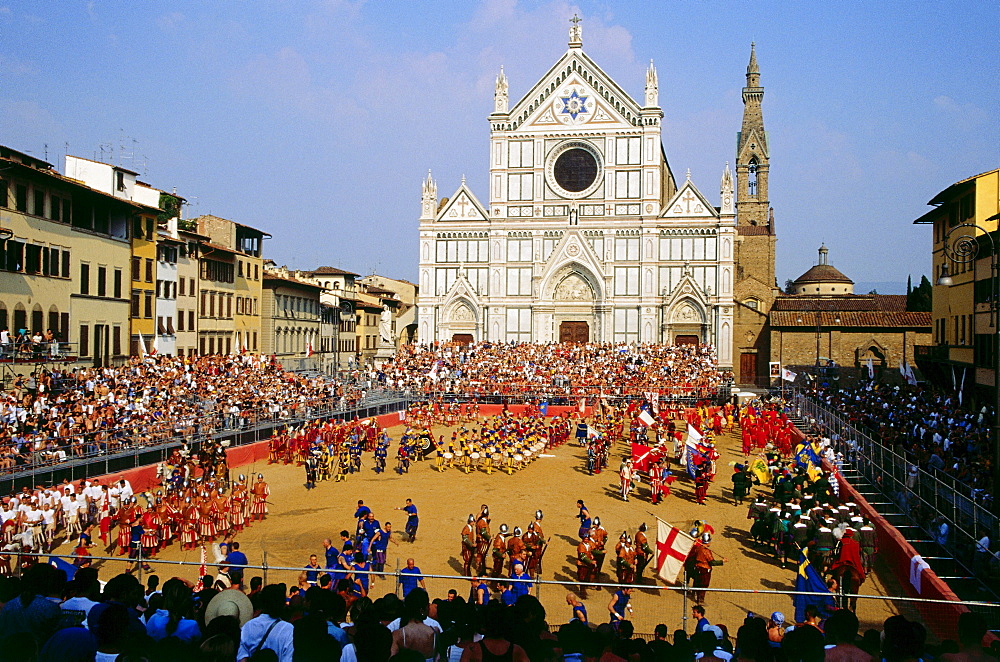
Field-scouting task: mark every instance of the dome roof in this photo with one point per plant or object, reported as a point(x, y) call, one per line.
point(823, 273)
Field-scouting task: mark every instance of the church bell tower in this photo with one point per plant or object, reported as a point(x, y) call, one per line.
point(755, 287)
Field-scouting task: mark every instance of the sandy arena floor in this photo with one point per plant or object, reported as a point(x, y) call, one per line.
point(299, 520)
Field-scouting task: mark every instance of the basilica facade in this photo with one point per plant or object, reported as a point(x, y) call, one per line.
point(588, 235)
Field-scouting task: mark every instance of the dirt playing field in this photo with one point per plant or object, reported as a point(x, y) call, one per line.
point(299, 520)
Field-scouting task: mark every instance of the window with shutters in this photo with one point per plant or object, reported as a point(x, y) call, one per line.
point(102, 281)
point(84, 278)
point(148, 305)
point(84, 340)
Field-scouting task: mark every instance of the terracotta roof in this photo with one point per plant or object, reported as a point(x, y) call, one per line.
point(850, 318)
point(378, 290)
point(823, 273)
point(946, 193)
point(753, 230)
point(842, 302)
point(333, 271)
point(271, 275)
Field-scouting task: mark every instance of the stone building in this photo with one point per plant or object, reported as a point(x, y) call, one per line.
point(588, 236)
point(66, 256)
point(826, 322)
point(340, 296)
point(405, 292)
point(291, 319)
point(963, 350)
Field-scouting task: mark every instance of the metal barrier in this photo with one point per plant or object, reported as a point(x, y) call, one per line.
point(921, 499)
point(652, 603)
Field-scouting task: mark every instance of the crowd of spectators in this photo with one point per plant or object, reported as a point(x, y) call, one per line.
point(49, 416)
point(565, 368)
point(931, 429)
point(44, 618)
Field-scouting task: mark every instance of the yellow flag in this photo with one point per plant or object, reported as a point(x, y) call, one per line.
point(758, 467)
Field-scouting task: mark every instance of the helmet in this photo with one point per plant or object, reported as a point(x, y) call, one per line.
point(778, 617)
point(597, 521)
point(706, 537)
point(503, 529)
point(623, 536)
point(472, 518)
point(517, 530)
point(242, 478)
point(642, 527)
point(260, 476)
point(187, 499)
point(531, 527)
point(538, 514)
point(486, 510)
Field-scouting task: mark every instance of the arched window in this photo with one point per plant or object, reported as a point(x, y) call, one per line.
point(752, 177)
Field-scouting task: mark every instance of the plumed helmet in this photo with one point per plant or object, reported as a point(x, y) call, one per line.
point(517, 530)
point(503, 529)
point(706, 537)
point(538, 514)
point(597, 521)
point(472, 518)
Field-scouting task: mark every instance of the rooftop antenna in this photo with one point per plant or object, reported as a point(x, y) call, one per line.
point(45, 147)
point(65, 152)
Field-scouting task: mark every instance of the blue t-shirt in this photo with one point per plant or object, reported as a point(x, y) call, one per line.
point(382, 542)
point(580, 608)
point(701, 624)
point(508, 597)
point(362, 511)
point(410, 579)
point(411, 512)
point(520, 588)
point(187, 629)
point(370, 527)
point(331, 556)
point(236, 558)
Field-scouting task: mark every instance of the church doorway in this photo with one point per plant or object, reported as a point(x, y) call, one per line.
point(748, 368)
point(462, 338)
point(686, 340)
point(574, 332)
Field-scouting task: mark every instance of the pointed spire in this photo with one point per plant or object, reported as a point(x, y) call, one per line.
point(727, 190)
point(575, 32)
point(428, 197)
point(652, 87)
point(500, 96)
point(727, 178)
point(688, 176)
point(463, 179)
point(752, 68)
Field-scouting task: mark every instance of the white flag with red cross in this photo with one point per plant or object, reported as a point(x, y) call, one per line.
point(672, 549)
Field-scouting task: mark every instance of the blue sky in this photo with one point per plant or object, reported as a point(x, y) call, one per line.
point(316, 120)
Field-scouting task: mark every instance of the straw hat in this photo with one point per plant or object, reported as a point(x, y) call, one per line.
point(230, 602)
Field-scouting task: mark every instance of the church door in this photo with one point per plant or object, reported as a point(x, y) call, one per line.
point(462, 338)
point(686, 340)
point(748, 368)
point(574, 332)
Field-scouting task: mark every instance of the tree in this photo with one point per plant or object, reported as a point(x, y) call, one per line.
point(789, 286)
point(919, 298)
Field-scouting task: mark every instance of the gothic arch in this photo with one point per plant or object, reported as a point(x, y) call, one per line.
point(557, 277)
point(461, 311)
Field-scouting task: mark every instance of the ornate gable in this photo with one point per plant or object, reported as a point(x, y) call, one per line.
point(753, 143)
point(573, 252)
point(463, 206)
point(689, 203)
point(575, 92)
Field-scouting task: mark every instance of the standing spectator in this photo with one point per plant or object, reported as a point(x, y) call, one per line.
point(237, 561)
point(268, 630)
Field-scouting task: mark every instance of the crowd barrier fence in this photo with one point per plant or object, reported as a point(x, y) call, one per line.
point(922, 497)
point(652, 603)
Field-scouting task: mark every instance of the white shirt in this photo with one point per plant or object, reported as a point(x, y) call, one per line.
point(279, 640)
